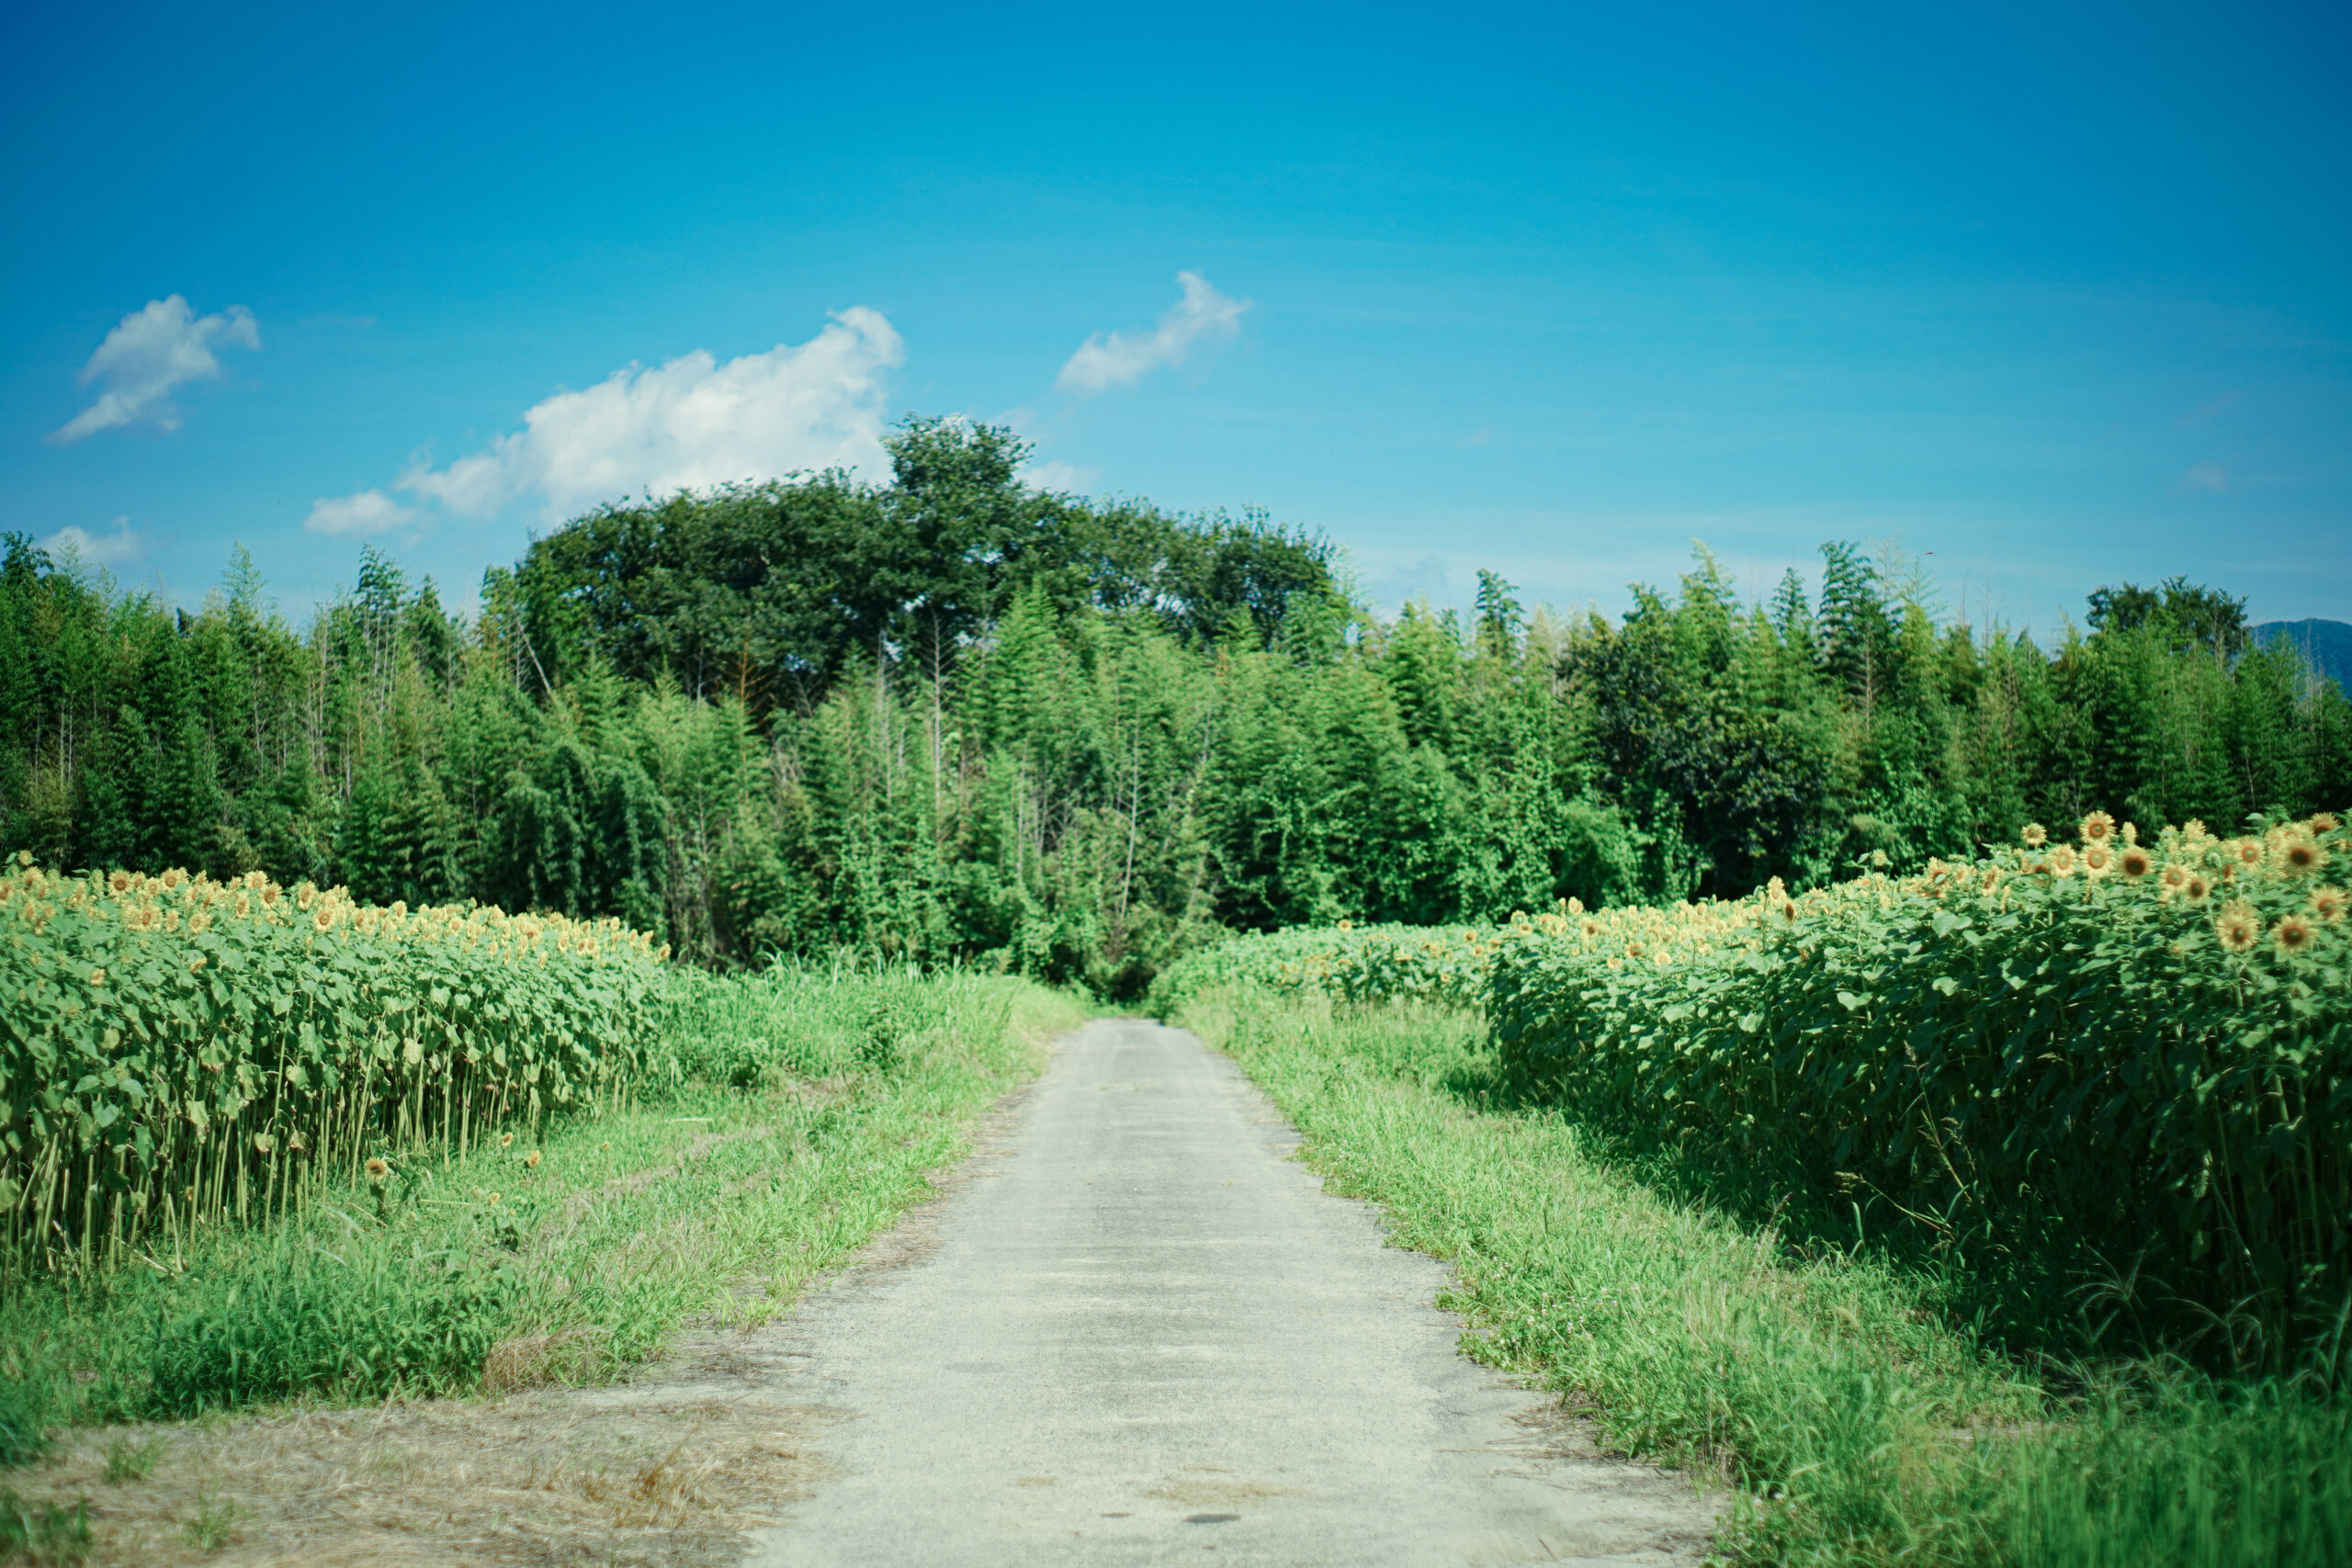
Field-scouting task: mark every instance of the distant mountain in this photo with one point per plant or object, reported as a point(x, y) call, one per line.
point(2326, 645)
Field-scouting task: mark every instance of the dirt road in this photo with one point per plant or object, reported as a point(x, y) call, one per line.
point(1138, 1334)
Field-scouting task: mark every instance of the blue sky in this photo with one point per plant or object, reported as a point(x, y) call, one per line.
point(2061, 294)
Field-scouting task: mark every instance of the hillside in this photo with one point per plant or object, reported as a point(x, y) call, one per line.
point(2326, 645)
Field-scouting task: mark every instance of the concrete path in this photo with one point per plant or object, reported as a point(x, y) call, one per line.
point(1140, 1334)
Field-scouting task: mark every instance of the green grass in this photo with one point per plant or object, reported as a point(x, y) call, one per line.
point(812, 1106)
point(1854, 1422)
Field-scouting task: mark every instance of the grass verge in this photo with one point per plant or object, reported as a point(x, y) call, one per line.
point(1855, 1424)
point(812, 1108)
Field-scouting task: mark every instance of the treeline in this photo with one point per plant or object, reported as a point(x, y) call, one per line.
point(953, 717)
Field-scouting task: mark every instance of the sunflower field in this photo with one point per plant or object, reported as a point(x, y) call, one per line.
point(175, 1050)
point(2117, 1070)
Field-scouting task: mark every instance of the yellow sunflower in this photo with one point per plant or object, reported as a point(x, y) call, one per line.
point(2036, 835)
point(2292, 935)
point(2098, 828)
point(2237, 927)
point(2328, 903)
point(2134, 862)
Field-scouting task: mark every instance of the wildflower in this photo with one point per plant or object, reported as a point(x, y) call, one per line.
point(504, 1139)
point(2237, 927)
point(2291, 935)
point(2098, 828)
point(2134, 862)
point(2327, 903)
point(2197, 889)
point(378, 1170)
point(2036, 835)
point(531, 1160)
point(2300, 855)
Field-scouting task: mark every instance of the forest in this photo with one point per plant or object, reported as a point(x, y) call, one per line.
point(954, 719)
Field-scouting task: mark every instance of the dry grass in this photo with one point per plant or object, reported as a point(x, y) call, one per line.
point(669, 1470)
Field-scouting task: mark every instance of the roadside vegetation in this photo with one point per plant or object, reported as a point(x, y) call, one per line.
point(1989, 1214)
point(734, 1138)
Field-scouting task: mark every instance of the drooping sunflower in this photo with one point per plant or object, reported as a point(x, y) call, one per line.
point(2292, 935)
point(2035, 835)
point(2134, 862)
point(2237, 927)
point(2098, 828)
point(2322, 822)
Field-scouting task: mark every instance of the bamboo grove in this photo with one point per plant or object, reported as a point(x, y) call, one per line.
point(951, 717)
point(175, 1051)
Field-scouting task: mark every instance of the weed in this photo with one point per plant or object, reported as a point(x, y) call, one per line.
point(43, 1532)
point(133, 1459)
point(215, 1522)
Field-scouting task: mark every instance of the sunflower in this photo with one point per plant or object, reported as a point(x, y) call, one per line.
point(378, 1170)
point(2292, 935)
point(2131, 832)
point(532, 1159)
point(322, 918)
point(172, 878)
point(2036, 835)
point(2096, 860)
point(2197, 889)
point(2247, 853)
point(2322, 822)
point(2134, 862)
point(2098, 828)
point(504, 1139)
point(97, 977)
point(2300, 855)
point(2328, 903)
point(2062, 861)
point(2237, 927)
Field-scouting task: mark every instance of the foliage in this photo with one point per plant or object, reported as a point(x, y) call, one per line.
point(2113, 1065)
point(954, 719)
point(1856, 1423)
point(784, 1148)
point(176, 1049)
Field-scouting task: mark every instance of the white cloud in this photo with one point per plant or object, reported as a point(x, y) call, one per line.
point(1202, 316)
point(2208, 475)
point(370, 512)
point(1057, 478)
point(117, 548)
point(154, 350)
point(692, 423)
